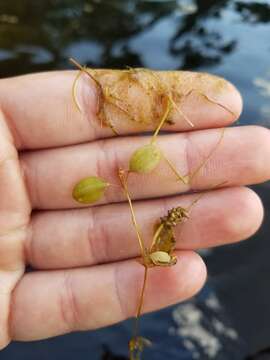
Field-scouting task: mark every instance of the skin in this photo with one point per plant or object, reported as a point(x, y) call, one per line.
point(84, 257)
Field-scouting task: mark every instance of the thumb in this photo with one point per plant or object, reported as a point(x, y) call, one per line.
point(14, 216)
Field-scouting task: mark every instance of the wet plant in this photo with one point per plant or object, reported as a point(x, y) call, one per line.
point(139, 95)
point(146, 158)
point(117, 93)
point(159, 253)
point(102, 95)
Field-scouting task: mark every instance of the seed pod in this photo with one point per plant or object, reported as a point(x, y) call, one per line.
point(145, 159)
point(175, 216)
point(89, 190)
point(161, 258)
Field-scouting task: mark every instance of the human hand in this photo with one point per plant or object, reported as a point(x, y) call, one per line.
point(85, 273)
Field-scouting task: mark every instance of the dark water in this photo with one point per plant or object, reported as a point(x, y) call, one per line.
point(230, 318)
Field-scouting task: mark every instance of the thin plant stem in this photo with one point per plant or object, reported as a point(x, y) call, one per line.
point(182, 113)
point(77, 64)
point(99, 88)
point(194, 202)
point(84, 69)
point(171, 99)
point(184, 179)
point(110, 125)
point(157, 232)
point(208, 156)
point(112, 100)
point(163, 119)
point(138, 313)
point(139, 310)
point(74, 91)
point(138, 232)
point(140, 304)
point(209, 99)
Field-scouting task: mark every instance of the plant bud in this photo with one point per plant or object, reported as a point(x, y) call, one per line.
point(89, 190)
point(145, 159)
point(161, 258)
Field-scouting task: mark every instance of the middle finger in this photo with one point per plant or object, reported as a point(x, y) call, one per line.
point(84, 237)
point(242, 158)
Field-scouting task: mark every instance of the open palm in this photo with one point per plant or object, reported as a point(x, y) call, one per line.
point(85, 274)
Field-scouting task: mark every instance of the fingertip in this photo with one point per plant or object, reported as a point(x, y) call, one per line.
point(240, 217)
point(195, 272)
point(256, 147)
point(171, 285)
point(227, 96)
point(212, 102)
point(234, 101)
point(251, 210)
point(229, 215)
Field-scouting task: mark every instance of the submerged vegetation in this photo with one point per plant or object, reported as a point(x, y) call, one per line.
point(149, 100)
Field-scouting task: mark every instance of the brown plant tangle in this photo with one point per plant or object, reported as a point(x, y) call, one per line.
point(159, 253)
point(148, 100)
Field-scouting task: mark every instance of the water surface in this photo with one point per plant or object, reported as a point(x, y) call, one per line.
point(230, 318)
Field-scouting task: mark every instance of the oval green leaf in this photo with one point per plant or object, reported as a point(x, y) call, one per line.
point(145, 159)
point(89, 190)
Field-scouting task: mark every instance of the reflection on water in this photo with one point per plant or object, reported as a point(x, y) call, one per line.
point(264, 85)
point(41, 35)
point(205, 332)
point(254, 11)
point(228, 38)
point(115, 28)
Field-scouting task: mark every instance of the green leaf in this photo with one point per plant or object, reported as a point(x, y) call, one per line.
point(145, 159)
point(89, 190)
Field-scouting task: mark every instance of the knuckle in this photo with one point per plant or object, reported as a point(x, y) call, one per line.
point(69, 308)
point(98, 238)
point(123, 309)
point(107, 165)
point(31, 179)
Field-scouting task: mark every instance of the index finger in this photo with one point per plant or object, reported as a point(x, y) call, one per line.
point(41, 113)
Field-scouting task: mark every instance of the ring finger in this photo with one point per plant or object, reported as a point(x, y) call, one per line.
point(83, 237)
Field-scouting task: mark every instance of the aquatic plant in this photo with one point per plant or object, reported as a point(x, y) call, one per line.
point(117, 93)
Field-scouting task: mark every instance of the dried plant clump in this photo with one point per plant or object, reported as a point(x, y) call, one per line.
point(143, 96)
point(163, 244)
